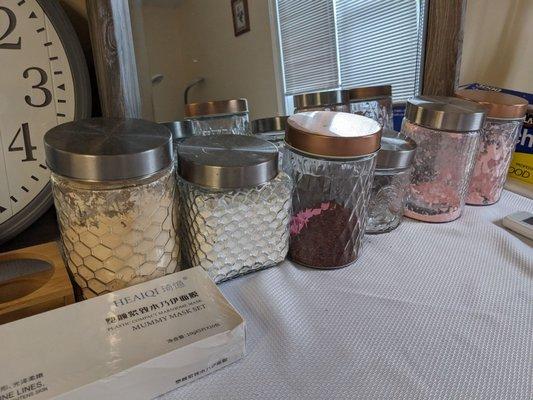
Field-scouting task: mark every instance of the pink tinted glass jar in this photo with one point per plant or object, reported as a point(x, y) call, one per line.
point(505, 116)
point(446, 131)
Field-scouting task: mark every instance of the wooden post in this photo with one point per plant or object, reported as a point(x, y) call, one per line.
point(444, 43)
point(122, 81)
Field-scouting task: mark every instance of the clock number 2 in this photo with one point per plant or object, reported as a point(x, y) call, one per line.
point(10, 28)
point(28, 148)
point(40, 86)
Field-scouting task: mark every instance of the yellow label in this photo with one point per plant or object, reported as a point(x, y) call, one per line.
point(522, 167)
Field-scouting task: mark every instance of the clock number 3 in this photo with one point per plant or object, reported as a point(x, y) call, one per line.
point(10, 28)
point(26, 137)
point(40, 86)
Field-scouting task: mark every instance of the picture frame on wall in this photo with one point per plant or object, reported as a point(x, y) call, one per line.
point(241, 17)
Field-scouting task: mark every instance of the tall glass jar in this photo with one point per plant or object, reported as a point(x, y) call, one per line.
point(505, 116)
point(113, 185)
point(331, 158)
point(219, 117)
point(446, 131)
point(391, 180)
point(273, 130)
point(373, 102)
point(333, 100)
point(235, 205)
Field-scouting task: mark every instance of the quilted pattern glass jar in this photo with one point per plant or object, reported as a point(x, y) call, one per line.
point(331, 159)
point(446, 131)
point(113, 184)
point(391, 180)
point(373, 102)
point(505, 116)
point(334, 100)
point(218, 117)
point(235, 205)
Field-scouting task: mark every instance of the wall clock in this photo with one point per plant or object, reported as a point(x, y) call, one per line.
point(43, 82)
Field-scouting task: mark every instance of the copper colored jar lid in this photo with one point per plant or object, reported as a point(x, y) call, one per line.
point(320, 99)
point(218, 107)
point(369, 92)
point(332, 134)
point(498, 105)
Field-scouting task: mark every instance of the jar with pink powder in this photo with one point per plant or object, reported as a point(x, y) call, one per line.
point(505, 116)
point(446, 131)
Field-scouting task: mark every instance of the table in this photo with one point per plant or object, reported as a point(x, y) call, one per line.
point(430, 311)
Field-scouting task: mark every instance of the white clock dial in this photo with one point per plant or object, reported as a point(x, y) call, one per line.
point(36, 93)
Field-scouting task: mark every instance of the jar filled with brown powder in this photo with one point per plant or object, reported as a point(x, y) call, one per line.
point(331, 158)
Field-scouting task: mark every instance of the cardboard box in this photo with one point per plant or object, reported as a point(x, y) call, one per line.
point(135, 343)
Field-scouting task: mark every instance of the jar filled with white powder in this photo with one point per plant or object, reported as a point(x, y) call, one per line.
point(113, 184)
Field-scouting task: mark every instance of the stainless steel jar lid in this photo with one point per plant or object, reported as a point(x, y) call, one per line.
point(217, 107)
point(397, 151)
point(227, 161)
point(179, 129)
point(445, 113)
point(270, 128)
point(106, 149)
point(320, 99)
point(369, 92)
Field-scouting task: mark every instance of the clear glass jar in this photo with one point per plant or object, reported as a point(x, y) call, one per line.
point(117, 230)
point(505, 116)
point(447, 135)
point(373, 102)
point(331, 158)
point(235, 205)
point(334, 100)
point(219, 117)
point(273, 130)
point(391, 180)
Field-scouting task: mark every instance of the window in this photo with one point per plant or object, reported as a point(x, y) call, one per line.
point(339, 44)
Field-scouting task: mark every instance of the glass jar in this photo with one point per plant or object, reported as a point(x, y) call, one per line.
point(180, 131)
point(331, 158)
point(113, 185)
point(391, 180)
point(219, 117)
point(505, 116)
point(235, 205)
point(273, 130)
point(373, 102)
point(334, 100)
point(446, 131)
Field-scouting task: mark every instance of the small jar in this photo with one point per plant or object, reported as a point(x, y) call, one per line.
point(218, 117)
point(391, 180)
point(505, 116)
point(331, 158)
point(273, 130)
point(235, 205)
point(113, 185)
point(334, 100)
point(446, 131)
point(373, 102)
point(180, 131)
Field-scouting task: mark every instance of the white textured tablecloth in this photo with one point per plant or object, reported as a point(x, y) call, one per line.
point(430, 311)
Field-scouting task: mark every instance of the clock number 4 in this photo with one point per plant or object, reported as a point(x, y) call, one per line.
point(10, 28)
point(43, 80)
point(28, 148)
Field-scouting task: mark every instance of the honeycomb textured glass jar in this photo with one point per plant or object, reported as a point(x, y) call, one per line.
point(442, 168)
point(234, 124)
point(379, 110)
point(233, 232)
point(386, 205)
point(120, 234)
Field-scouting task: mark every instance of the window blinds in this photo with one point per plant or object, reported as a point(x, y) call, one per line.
point(328, 44)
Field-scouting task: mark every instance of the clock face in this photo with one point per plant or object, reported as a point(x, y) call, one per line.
point(37, 92)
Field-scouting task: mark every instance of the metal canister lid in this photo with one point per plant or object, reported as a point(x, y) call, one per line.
point(497, 104)
point(397, 151)
point(179, 129)
point(217, 107)
point(333, 134)
point(320, 99)
point(107, 149)
point(227, 161)
point(445, 113)
point(270, 128)
point(369, 92)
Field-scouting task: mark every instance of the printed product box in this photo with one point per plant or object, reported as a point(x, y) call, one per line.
point(135, 343)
